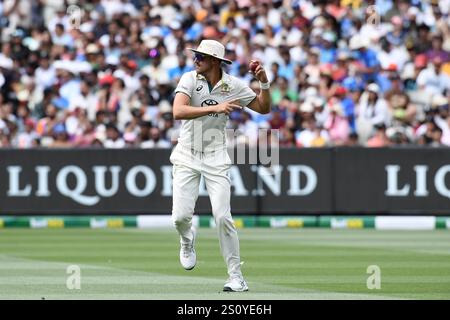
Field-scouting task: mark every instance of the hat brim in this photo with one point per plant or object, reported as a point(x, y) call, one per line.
point(207, 54)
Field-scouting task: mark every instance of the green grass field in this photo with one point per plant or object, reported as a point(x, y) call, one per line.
point(279, 264)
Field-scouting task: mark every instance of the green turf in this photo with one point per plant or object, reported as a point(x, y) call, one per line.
point(279, 264)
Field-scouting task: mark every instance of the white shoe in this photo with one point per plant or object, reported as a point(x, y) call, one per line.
point(235, 284)
point(188, 258)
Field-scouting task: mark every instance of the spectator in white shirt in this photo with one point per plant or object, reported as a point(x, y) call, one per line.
point(371, 110)
point(155, 140)
point(113, 138)
point(433, 79)
point(61, 37)
point(45, 75)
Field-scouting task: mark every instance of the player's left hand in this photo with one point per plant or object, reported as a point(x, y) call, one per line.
point(258, 72)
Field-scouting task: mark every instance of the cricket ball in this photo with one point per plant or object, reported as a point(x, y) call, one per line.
point(253, 66)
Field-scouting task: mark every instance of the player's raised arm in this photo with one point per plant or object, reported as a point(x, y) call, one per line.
point(262, 103)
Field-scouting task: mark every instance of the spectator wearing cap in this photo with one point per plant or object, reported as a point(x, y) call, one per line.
point(174, 38)
point(412, 69)
point(93, 53)
point(327, 49)
point(18, 52)
point(348, 105)
point(385, 77)
point(432, 79)
point(368, 62)
point(305, 112)
point(131, 77)
point(320, 112)
point(372, 110)
point(311, 71)
point(60, 137)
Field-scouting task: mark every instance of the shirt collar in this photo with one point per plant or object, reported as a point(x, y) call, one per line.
point(225, 79)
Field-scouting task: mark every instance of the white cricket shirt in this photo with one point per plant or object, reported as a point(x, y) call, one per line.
point(207, 133)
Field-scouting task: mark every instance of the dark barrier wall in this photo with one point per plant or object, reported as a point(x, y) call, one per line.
point(392, 180)
point(307, 181)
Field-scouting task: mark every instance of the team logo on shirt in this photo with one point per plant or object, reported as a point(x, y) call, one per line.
point(210, 102)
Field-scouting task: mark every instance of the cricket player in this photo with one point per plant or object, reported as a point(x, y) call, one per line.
point(204, 99)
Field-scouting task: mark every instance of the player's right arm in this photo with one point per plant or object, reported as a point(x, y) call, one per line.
point(182, 110)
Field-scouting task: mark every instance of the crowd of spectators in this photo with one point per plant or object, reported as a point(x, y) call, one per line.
point(342, 73)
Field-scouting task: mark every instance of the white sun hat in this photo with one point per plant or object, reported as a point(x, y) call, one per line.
point(373, 87)
point(212, 48)
point(306, 107)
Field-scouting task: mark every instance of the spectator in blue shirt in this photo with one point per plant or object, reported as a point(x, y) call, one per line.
point(328, 50)
point(287, 68)
point(176, 73)
point(348, 106)
point(369, 64)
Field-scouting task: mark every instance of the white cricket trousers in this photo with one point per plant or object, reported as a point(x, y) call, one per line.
point(188, 166)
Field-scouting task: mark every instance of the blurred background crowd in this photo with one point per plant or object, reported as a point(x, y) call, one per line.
point(343, 73)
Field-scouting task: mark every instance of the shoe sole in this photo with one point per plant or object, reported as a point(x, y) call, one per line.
point(193, 241)
point(228, 289)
